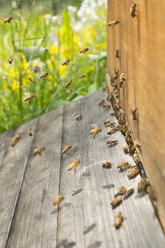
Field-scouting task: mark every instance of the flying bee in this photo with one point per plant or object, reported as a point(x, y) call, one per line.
point(82, 76)
point(15, 140)
point(118, 220)
point(106, 106)
point(120, 191)
point(129, 192)
point(39, 150)
point(125, 149)
point(133, 10)
point(68, 83)
point(133, 173)
point(151, 192)
point(137, 144)
point(31, 80)
point(133, 114)
point(112, 142)
point(69, 91)
point(84, 50)
point(113, 23)
point(58, 200)
point(95, 131)
point(142, 185)
point(67, 148)
point(101, 102)
point(122, 166)
point(10, 60)
point(106, 164)
point(116, 202)
point(112, 130)
point(30, 133)
point(66, 62)
point(78, 117)
point(74, 164)
point(117, 54)
point(8, 19)
point(29, 97)
point(44, 75)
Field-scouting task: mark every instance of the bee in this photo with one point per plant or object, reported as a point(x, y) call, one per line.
point(142, 185)
point(122, 77)
point(132, 166)
point(39, 150)
point(66, 62)
point(116, 202)
point(113, 23)
point(82, 76)
point(15, 140)
point(129, 192)
point(8, 19)
point(112, 130)
point(117, 55)
point(74, 164)
point(30, 133)
point(69, 91)
point(125, 149)
point(133, 114)
point(118, 220)
point(101, 102)
point(137, 144)
point(31, 80)
point(106, 106)
point(67, 148)
point(112, 113)
point(68, 83)
point(120, 191)
point(10, 60)
point(105, 88)
point(44, 75)
point(58, 200)
point(84, 50)
point(115, 74)
point(95, 131)
point(151, 192)
point(106, 164)
point(112, 142)
point(78, 117)
point(133, 173)
point(107, 123)
point(136, 159)
point(133, 9)
point(29, 97)
point(122, 166)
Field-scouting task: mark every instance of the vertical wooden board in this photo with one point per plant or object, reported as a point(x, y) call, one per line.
point(35, 220)
point(4, 144)
point(11, 176)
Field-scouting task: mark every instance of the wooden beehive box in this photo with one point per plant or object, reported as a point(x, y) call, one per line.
point(141, 43)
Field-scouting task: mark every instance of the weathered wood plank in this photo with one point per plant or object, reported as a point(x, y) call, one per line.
point(35, 220)
point(12, 172)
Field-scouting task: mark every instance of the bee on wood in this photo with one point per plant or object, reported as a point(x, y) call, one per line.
point(115, 74)
point(133, 9)
point(69, 91)
point(122, 79)
point(101, 102)
point(10, 60)
point(58, 200)
point(123, 128)
point(132, 166)
point(112, 113)
point(116, 202)
point(30, 133)
point(67, 148)
point(82, 76)
point(68, 83)
point(31, 80)
point(133, 114)
point(106, 106)
point(107, 123)
point(66, 62)
point(117, 54)
point(113, 23)
point(15, 140)
point(106, 164)
point(29, 97)
point(84, 50)
point(74, 164)
point(120, 191)
point(125, 149)
point(95, 131)
point(129, 192)
point(44, 75)
point(112, 142)
point(8, 19)
point(151, 192)
point(136, 159)
point(137, 144)
point(118, 220)
point(122, 166)
point(133, 173)
point(112, 130)
point(39, 150)
point(78, 117)
point(142, 185)
point(105, 88)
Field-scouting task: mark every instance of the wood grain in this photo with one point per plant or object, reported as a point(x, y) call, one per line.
point(141, 42)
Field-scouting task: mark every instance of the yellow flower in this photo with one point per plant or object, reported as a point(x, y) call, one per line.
point(55, 84)
point(1, 21)
point(13, 73)
point(54, 49)
point(62, 70)
point(15, 85)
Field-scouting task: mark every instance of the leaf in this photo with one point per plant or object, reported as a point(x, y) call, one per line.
point(92, 88)
point(32, 52)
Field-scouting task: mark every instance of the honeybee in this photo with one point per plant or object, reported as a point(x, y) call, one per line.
point(132, 166)
point(10, 60)
point(31, 80)
point(118, 220)
point(117, 55)
point(30, 133)
point(137, 144)
point(69, 91)
point(120, 191)
point(84, 50)
point(116, 202)
point(112, 130)
point(68, 83)
point(106, 164)
point(107, 123)
point(122, 77)
point(115, 74)
point(129, 192)
point(133, 173)
point(133, 9)
point(66, 62)
point(106, 106)
point(125, 149)
point(29, 97)
point(136, 159)
point(113, 23)
point(74, 164)
point(82, 76)
point(39, 150)
point(122, 166)
point(67, 148)
point(58, 200)
point(8, 19)
point(133, 113)
point(15, 140)
point(142, 185)
point(151, 192)
point(44, 75)
point(78, 117)
point(95, 131)
point(112, 142)
point(105, 88)
point(101, 102)
point(112, 113)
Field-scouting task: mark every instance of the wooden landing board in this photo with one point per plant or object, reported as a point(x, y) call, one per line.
point(84, 218)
